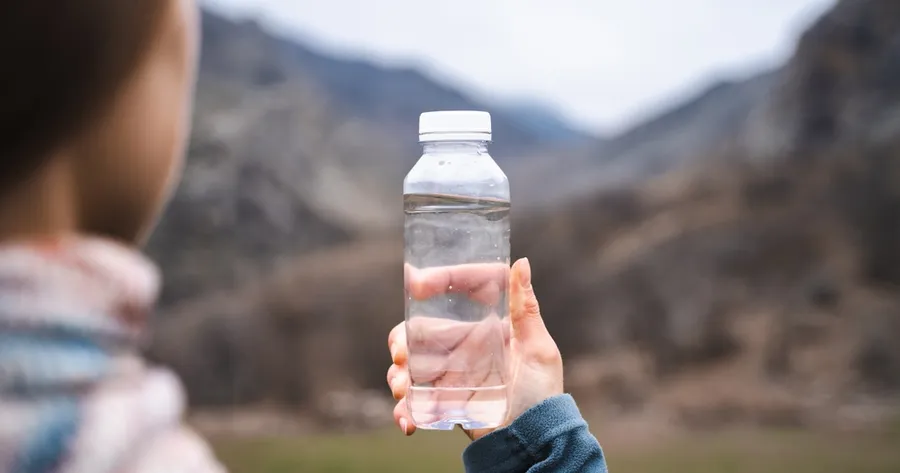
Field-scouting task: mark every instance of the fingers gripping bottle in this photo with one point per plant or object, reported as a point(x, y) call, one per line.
point(456, 202)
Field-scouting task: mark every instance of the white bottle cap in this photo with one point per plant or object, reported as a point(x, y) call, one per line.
point(453, 125)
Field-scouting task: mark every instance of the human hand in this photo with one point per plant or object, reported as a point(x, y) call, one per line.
point(447, 349)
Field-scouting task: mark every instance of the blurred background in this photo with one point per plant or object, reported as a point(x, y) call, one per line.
point(708, 190)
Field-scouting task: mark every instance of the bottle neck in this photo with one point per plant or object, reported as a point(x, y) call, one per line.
point(456, 147)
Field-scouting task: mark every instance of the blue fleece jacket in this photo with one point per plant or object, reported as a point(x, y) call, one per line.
point(551, 437)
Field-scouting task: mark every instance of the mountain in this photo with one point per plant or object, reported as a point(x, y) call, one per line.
point(732, 260)
point(707, 123)
point(391, 97)
point(543, 121)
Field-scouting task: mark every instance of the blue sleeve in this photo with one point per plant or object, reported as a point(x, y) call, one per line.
point(549, 437)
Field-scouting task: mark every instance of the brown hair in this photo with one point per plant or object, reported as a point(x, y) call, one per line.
point(63, 62)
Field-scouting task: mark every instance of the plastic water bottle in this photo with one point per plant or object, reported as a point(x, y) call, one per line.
point(456, 202)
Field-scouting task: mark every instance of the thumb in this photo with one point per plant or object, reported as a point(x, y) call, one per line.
point(525, 313)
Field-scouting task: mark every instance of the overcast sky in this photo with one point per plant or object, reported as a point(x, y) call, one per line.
point(602, 63)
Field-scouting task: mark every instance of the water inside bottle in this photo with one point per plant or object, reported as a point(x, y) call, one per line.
point(457, 319)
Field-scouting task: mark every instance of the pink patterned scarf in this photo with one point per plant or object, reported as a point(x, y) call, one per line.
point(75, 396)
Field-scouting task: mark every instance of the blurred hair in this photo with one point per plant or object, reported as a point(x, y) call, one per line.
point(63, 61)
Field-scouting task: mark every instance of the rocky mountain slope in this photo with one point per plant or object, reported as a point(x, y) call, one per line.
point(754, 281)
point(840, 89)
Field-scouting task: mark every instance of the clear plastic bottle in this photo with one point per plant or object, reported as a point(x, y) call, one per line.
point(456, 202)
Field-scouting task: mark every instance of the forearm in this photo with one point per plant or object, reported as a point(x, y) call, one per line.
point(550, 437)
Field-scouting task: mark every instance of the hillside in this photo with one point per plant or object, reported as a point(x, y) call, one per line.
point(714, 121)
point(750, 276)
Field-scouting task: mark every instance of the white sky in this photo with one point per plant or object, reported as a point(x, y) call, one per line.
point(603, 63)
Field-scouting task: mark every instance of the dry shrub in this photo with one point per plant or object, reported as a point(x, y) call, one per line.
point(709, 402)
point(877, 359)
point(317, 326)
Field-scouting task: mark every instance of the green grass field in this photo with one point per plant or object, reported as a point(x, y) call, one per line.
point(736, 452)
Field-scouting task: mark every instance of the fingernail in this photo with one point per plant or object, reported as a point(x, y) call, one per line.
point(525, 273)
point(404, 426)
point(393, 352)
